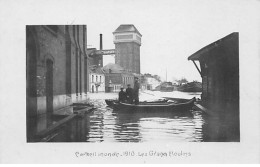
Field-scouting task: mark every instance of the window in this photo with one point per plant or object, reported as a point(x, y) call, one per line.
point(124, 36)
point(96, 78)
point(92, 78)
point(100, 78)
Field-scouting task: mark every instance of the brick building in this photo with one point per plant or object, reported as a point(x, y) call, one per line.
point(127, 41)
point(117, 77)
point(56, 65)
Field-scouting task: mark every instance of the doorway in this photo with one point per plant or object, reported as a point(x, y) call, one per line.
point(49, 86)
point(93, 91)
point(96, 89)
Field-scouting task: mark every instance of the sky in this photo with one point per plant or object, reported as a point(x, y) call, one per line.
point(171, 30)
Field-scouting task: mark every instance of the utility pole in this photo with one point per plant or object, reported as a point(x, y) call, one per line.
point(166, 74)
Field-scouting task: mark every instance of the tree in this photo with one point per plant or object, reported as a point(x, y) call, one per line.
point(157, 77)
point(182, 81)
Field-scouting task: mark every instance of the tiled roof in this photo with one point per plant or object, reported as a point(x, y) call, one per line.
point(97, 70)
point(115, 68)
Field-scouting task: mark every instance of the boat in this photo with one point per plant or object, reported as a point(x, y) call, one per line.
point(191, 87)
point(111, 102)
point(166, 87)
point(177, 100)
point(166, 105)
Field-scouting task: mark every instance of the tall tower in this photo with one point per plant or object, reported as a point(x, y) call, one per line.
point(127, 40)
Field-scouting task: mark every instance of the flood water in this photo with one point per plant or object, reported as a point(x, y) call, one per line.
point(106, 125)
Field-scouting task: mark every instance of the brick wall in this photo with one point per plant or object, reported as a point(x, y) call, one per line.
point(128, 56)
point(65, 47)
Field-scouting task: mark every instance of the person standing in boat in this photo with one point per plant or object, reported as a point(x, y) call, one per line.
point(129, 94)
point(122, 95)
point(136, 91)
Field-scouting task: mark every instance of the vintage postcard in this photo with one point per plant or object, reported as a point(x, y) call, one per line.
point(130, 81)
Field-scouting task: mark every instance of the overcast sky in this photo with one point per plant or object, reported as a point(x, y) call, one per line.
point(172, 30)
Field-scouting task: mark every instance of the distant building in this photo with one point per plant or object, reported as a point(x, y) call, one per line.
point(97, 80)
point(93, 61)
point(117, 77)
point(152, 83)
point(127, 40)
point(219, 69)
point(149, 82)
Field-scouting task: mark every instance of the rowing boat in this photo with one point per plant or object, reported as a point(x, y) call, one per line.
point(111, 102)
point(165, 105)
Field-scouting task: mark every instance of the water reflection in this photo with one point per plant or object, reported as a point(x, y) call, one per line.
point(106, 125)
point(109, 126)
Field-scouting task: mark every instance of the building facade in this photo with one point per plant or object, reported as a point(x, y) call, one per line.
point(56, 65)
point(127, 40)
point(152, 83)
point(117, 77)
point(96, 81)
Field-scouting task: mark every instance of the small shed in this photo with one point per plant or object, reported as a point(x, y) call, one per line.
point(219, 69)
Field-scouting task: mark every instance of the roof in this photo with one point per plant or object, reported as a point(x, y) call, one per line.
point(114, 67)
point(126, 28)
point(200, 53)
point(97, 70)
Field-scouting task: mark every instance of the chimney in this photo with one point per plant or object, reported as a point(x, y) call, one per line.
point(101, 42)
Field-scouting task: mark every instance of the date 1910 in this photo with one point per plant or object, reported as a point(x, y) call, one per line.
point(151, 153)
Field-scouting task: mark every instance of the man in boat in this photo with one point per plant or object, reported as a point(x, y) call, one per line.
point(136, 91)
point(122, 95)
point(129, 94)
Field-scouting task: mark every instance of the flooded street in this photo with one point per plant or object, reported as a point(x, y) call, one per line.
point(141, 127)
point(107, 125)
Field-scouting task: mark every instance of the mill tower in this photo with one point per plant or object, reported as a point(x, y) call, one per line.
point(127, 40)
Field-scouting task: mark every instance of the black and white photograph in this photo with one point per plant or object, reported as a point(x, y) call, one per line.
point(130, 81)
point(72, 95)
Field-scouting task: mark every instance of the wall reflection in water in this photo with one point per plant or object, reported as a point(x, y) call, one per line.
point(109, 126)
point(105, 125)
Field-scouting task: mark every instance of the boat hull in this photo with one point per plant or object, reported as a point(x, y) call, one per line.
point(153, 107)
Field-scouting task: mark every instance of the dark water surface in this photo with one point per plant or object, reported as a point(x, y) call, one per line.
point(106, 125)
point(109, 126)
